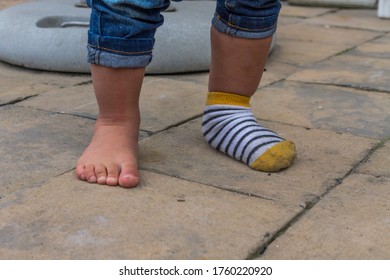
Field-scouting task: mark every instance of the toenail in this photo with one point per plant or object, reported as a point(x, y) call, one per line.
point(92, 179)
point(102, 180)
point(111, 180)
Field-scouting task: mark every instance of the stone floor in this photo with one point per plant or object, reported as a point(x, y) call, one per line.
point(326, 87)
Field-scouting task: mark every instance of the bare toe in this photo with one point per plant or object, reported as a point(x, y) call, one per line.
point(90, 173)
point(101, 174)
point(112, 175)
point(80, 172)
point(129, 177)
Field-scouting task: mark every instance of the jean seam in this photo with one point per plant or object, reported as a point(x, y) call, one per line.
point(119, 52)
point(229, 24)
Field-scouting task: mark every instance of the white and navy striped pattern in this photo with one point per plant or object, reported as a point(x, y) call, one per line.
point(234, 130)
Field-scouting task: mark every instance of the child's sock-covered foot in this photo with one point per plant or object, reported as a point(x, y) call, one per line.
point(230, 127)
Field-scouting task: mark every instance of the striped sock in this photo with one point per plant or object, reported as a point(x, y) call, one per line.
point(230, 127)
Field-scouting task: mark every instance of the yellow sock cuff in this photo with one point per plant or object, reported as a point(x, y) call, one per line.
point(222, 98)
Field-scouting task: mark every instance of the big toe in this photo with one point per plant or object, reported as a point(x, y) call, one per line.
point(129, 177)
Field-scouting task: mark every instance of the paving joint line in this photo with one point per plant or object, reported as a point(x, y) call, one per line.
point(331, 11)
point(187, 180)
point(362, 88)
point(64, 113)
point(248, 194)
point(18, 100)
point(83, 83)
point(65, 172)
point(152, 133)
point(309, 205)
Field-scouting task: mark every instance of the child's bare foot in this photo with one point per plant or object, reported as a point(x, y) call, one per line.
point(111, 157)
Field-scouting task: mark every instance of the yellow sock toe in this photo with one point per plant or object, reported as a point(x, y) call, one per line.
point(276, 158)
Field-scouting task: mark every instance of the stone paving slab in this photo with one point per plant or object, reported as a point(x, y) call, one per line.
point(36, 146)
point(44, 77)
point(346, 38)
point(303, 53)
point(164, 103)
point(293, 46)
point(379, 48)
point(13, 94)
point(349, 70)
point(183, 153)
point(353, 18)
point(201, 78)
point(76, 100)
point(340, 109)
point(379, 163)
point(276, 71)
point(303, 12)
point(18, 83)
point(351, 222)
point(287, 21)
point(336, 3)
point(163, 218)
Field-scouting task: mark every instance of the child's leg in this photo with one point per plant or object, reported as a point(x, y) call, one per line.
point(120, 42)
point(111, 157)
point(237, 63)
point(240, 39)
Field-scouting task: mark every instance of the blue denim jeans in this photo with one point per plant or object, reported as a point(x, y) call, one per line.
point(121, 33)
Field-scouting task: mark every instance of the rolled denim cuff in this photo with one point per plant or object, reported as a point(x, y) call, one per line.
point(112, 60)
point(103, 51)
point(262, 25)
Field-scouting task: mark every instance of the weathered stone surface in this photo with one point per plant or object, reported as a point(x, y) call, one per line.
point(10, 94)
point(379, 48)
point(76, 100)
point(323, 158)
point(303, 12)
point(288, 20)
point(353, 18)
point(349, 70)
point(13, 73)
point(276, 71)
point(303, 53)
point(326, 35)
point(340, 109)
point(163, 218)
point(336, 3)
point(293, 47)
point(165, 103)
point(379, 163)
point(18, 83)
point(36, 146)
point(201, 78)
point(351, 222)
